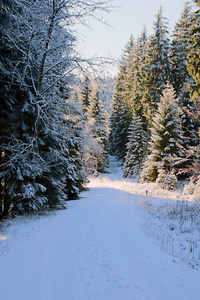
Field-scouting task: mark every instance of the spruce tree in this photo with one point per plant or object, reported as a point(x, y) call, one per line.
point(20, 162)
point(122, 113)
point(179, 50)
point(155, 70)
point(40, 162)
point(97, 130)
point(180, 78)
point(136, 149)
point(140, 55)
point(165, 135)
point(193, 64)
point(85, 94)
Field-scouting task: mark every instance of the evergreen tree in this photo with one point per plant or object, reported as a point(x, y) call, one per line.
point(155, 68)
point(20, 163)
point(179, 50)
point(97, 129)
point(120, 121)
point(85, 94)
point(140, 55)
point(136, 148)
point(193, 64)
point(40, 160)
point(165, 134)
point(122, 113)
point(180, 77)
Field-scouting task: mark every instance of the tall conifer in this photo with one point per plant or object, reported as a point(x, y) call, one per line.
point(193, 64)
point(122, 105)
point(165, 134)
point(136, 148)
point(155, 70)
point(97, 129)
point(180, 77)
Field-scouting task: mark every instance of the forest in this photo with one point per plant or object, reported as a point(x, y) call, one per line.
point(59, 122)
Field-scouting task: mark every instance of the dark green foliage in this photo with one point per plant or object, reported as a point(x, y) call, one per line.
point(97, 127)
point(120, 121)
point(155, 69)
point(85, 93)
point(165, 137)
point(41, 162)
point(179, 50)
point(180, 78)
point(193, 64)
point(143, 73)
point(136, 148)
point(18, 114)
point(122, 111)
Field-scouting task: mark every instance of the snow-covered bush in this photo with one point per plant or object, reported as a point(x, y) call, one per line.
point(189, 188)
point(166, 180)
point(197, 191)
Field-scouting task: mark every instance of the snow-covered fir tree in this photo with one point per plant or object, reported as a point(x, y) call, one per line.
point(140, 55)
point(85, 94)
point(179, 50)
point(193, 63)
point(22, 164)
point(155, 69)
point(180, 78)
point(98, 131)
point(165, 135)
point(136, 149)
point(40, 162)
point(122, 113)
point(95, 113)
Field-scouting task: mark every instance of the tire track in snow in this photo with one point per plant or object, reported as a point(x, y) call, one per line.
point(94, 250)
point(62, 273)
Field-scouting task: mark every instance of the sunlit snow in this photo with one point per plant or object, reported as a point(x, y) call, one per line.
point(117, 242)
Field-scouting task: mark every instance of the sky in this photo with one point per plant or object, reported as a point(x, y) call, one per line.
point(129, 17)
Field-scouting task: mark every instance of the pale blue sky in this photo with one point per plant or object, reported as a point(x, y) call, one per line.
point(129, 18)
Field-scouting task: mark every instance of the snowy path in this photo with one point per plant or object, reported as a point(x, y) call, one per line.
point(94, 250)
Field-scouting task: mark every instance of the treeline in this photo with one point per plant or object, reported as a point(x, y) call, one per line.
point(154, 122)
point(41, 144)
point(93, 97)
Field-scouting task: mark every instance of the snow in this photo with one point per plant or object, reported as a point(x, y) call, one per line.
point(104, 246)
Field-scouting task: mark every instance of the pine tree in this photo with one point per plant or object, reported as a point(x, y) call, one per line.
point(155, 68)
point(165, 134)
point(136, 149)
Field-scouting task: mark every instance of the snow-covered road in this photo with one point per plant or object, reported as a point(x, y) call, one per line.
point(94, 250)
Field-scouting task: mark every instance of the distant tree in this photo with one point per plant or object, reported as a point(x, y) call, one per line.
point(165, 134)
point(98, 132)
point(85, 94)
